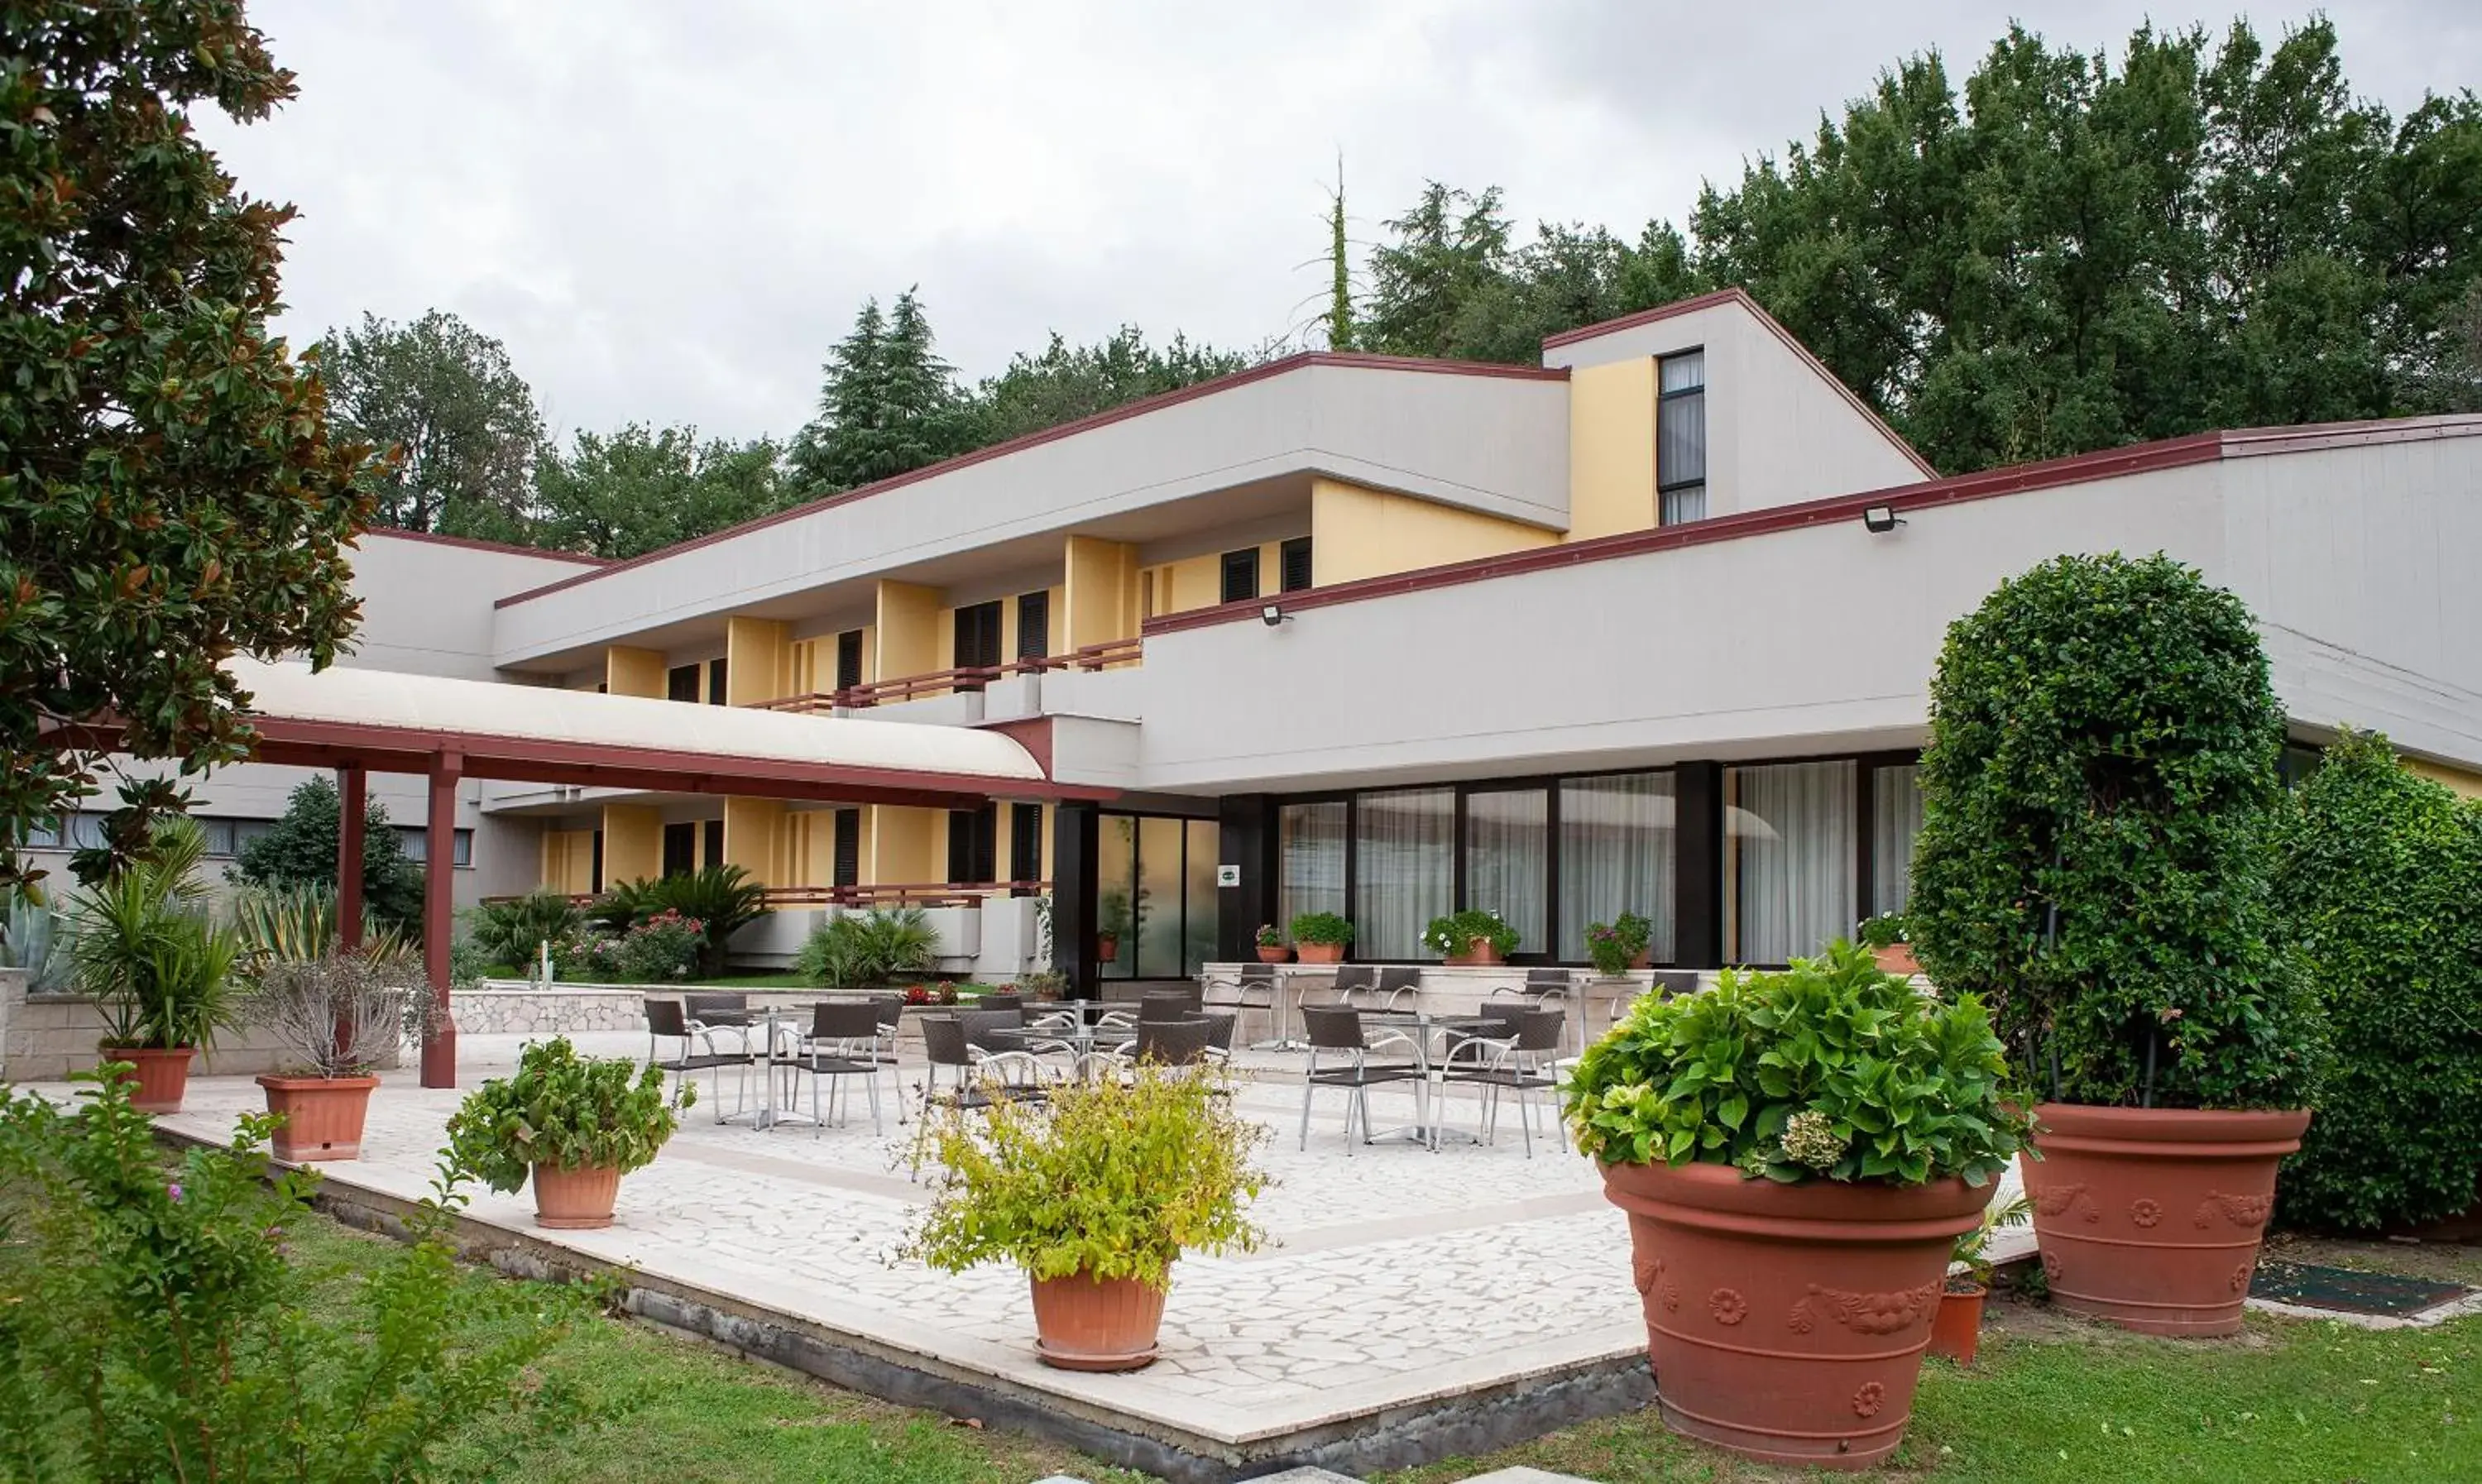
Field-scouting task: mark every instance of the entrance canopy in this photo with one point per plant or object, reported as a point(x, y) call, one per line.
point(390, 722)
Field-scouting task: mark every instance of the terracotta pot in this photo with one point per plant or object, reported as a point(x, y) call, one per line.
point(1107, 948)
point(1322, 953)
point(1645, 959)
point(1956, 1330)
point(1088, 1323)
point(1278, 954)
point(323, 1115)
point(161, 1078)
point(574, 1200)
point(2152, 1217)
point(1896, 958)
point(1786, 1322)
point(1480, 953)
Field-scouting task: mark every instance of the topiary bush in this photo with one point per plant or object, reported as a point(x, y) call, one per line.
point(2379, 878)
point(2100, 799)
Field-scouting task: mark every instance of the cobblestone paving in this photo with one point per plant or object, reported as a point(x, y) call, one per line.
point(1396, 1274)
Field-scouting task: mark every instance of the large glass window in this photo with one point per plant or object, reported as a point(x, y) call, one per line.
point(1311, 846)
point(1154, 892)
point(1617, 849)
point(1116, 894)
point(1680, 437)
point(1405, 845)
point(1506, 859)
point(1789, 859)
point(1895, 820)
point(1200, 904)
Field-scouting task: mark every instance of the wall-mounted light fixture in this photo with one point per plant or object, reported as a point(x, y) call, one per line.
point(1272, 615)
point(1880, 519)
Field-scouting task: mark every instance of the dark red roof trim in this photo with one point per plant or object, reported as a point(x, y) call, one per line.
point(1775, 327)
point(1121, 413)
point(473, 544)
point(2051, 473)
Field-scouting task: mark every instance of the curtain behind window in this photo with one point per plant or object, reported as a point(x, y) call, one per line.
point(1616, 856)
point(1311, 855)
point(1507, 856)
point(1896, 818)
point(1404, 867)
point(1791, 890)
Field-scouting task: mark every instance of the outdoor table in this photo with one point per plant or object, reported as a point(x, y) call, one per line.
point(767, 1115)
point(1424, 1024)
point(1290, 976)
point(1083, 1037)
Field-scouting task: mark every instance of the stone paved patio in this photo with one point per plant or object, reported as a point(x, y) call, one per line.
point(1397, 1277)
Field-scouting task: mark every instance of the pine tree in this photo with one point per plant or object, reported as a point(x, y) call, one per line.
point(888, 404)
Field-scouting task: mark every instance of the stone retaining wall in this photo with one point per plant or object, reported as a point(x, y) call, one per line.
point(43, 1038)
point(511, 1007)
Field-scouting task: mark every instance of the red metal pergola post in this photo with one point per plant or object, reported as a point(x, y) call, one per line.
point(440, 917)
point(352, 796)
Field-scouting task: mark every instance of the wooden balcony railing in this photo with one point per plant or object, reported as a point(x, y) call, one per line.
point(950, 893)
point(1113, 655)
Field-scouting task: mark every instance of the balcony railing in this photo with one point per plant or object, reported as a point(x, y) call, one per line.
point(1111, 655)
point(949, 894)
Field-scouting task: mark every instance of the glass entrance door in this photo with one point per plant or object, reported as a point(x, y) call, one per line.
point(1154, 895)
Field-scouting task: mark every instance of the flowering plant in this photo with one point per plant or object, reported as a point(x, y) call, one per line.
point(1884, 931)
point(1269, 937)
point(1615, 945)
point(1455, 935)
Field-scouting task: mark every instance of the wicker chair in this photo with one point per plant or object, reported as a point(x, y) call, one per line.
point(1336, 1036)
point(843, 1043)
point(666, 1022)
point(1521, 1061)
point(1243, 988)
point(975, 1074)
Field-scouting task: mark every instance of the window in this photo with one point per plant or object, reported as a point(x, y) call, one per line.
point(712, 833)
point(681, 684)
point(1895, 820)
point(595, 879)
point(1507, 855)
point(1154, 878)
point(1789, 859)
point(972, 845)
point(1680, 436)
point(715, 682)
point(978, 638)
point(1033, 626)
point(1311, 847)
point(847, 660)
point(1241, 576)
point(1405, 868)
point(681, 848)
point(1617, 845)
point(2296, 762)
point(1295, 557)
point(1025, 843)
point(415, 841)
point(846, 867)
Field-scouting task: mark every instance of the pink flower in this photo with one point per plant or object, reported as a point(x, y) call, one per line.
point(173, 1190)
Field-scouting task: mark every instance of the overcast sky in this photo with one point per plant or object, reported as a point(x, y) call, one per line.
point(668, 209)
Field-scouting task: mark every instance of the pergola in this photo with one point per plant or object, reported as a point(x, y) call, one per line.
point(359, 722)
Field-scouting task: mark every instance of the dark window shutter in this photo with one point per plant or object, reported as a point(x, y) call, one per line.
point(978, 636)
point(847, 660)
point(971, 846)
point(1025, 843)
point(714, 828)
point(1034, 625)
point(680, 849)
point(1241, 576)
point(595, 881)
point(1296, 557)
point(681, 684)
point(715, 678)
point(847, 867)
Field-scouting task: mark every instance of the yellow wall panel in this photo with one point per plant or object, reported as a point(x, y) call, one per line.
point(751, 828)
point(2469, 784)
point(632, 672)
point(1359, 533)
point(1611, 448)
point(758, 654)
point(910, 641)
point(1098, 603)
point(568, 861)
point(904, 845)
point(633, 842)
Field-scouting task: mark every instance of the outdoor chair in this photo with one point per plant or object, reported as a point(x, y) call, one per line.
point(1521, 1061)
point(843, 1043)
point(665, 1021)
point(976, 1075)
point(858, 1028)
point(1174, 1042)
point(1352, 980)
point(720, 1013)
point(1548, 986)
point(1003, 1000)
point(1396, 982)
point(1336, 1037)
point(1168, 1005)
point(1242, 988)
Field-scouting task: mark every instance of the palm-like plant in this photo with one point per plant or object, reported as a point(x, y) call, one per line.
point(145, 946)
point(300, 925)
point(511, 933)
point(723, 897)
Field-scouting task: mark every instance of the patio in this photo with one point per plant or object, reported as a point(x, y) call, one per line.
point(1414, 1303)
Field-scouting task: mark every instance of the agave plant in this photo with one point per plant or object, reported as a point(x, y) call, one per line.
point(300, 925)
point(31, 939)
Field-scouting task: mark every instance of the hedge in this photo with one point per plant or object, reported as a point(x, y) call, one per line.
point(2380, 881)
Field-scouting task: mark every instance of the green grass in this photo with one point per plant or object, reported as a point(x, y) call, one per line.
point(782, 979)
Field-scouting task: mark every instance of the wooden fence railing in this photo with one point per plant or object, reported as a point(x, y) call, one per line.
point(1114, 654)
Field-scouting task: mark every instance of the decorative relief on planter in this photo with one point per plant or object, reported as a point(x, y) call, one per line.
point(1868, 1314)
point(2239, 1211)
point(2051, 1266)
point(2144, 1212)
point(1727, 1306)
point(1647, 1271)
point(1867, 1401)
point(2241, 1277)
point(2067, 1200)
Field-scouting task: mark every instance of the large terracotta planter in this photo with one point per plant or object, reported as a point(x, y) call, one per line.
point(1481, 953)
point(1088, 1323)
point(2152, 1217)
point(323, 1115)
point(1956, 1330)
point(1322, 953)
point(163, 1075)
point(1896, 958)
point(1276, 954)
point(1786, 1322)
point(574, 1200)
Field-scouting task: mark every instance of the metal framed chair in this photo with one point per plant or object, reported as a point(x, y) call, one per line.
point(843, 1043)
point(1523, 1061)
point(1396, 982)
point(1183, 1042)
point(665, 1021)
point(720, 1013)
point(976, 1075)
point(1544, 986)
point(1335, 1035)
point(1243, 988)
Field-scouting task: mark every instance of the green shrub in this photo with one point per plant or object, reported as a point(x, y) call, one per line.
point(301, 848)
point(1324, 928)
point(2098, 802)
point(567, 1111)
point(1453, 936)
point(2379, 881)
point(144, 944)
point(858, 950)
point(151, 1327)
point(1613, 947)
point(1884, 929)
point(511, 933)
point(722, 898)
point(1826, 1070)
point(1109, 1178)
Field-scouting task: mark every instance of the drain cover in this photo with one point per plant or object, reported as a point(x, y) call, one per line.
point(2313, 1286)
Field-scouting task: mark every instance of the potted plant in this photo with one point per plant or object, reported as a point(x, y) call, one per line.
point(1271, 946)
point(1619, 945)
point(1885, 936)
point(575, 1124)
point(1112, 919)
point(341, 1013)
point(159, 967)
point(2099, 796)
point(1095, 1192)
point(1470, 936)
point(1322, 937)
point(1956, 1330)
point(1797, 1151)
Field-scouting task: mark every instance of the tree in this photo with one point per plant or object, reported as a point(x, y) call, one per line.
point(1449, 251)
point(887, 405)
point(1066, 383)
point(640, 488)
point(299, 850)
point(170, 493)
point(464, 421)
